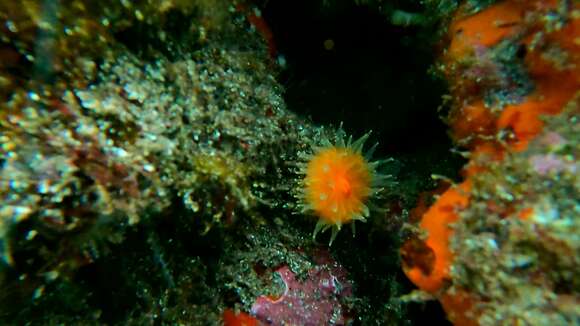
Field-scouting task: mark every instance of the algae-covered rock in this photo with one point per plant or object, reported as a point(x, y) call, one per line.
point(113, 115)
point(501, 247)
point(517, 248)
point(148, 166)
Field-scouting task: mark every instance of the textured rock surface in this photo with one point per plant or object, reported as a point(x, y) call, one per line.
point(316, 300)
point(148, 161)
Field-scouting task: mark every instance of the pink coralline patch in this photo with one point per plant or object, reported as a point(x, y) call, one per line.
point(553, 140)
point(482, 66)
point(550, 163)
point(314, 301)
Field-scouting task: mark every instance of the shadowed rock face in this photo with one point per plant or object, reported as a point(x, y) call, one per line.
point(119, 121)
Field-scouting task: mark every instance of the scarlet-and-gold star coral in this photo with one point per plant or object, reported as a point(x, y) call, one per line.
point(339, 180)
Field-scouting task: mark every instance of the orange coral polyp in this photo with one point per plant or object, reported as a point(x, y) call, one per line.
point(338, 182)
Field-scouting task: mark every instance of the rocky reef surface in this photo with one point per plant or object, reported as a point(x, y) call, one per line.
point(501, 247)
point(150, 161)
